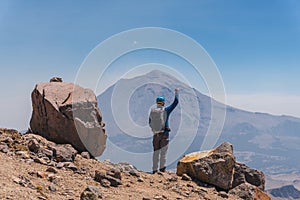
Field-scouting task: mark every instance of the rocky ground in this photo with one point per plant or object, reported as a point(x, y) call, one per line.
point(34, 168)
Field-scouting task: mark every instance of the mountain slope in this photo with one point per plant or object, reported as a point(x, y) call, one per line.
point(269, 143)
point(285, 192)
point(27, 174)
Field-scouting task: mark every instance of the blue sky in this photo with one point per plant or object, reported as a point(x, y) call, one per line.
point(255, 44)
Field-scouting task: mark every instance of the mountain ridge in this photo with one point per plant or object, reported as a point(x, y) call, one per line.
point(263, 135)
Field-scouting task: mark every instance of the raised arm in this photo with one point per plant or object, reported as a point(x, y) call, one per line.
point(170, 108)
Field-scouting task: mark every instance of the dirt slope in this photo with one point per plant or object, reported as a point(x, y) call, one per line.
point(22, 176)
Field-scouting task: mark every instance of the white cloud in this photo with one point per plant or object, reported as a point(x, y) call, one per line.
point(268, 103)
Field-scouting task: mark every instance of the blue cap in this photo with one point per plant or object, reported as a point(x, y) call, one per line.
point(160, 99)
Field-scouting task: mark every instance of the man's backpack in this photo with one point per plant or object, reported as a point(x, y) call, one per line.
point(158, 117)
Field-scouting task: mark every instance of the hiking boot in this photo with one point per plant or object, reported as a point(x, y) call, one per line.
point(162, 169)
point(154, 171)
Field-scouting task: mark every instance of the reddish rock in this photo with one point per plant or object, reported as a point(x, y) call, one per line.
point(249, 192)
point(67, 113)
point(33, 145)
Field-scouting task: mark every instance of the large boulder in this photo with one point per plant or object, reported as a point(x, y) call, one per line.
point(67, 113)
point(215, 167)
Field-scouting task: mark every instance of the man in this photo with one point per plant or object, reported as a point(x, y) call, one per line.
point(158, 115)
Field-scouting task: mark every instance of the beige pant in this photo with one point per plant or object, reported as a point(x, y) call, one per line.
point(160, 146)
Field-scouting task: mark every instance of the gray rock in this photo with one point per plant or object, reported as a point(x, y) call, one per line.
point(60, 165)
point(134, 172)
point(51, 169)
point(244, 174)
point(249, 192)
point(105, 183)
point(86, 155)
point(52, 188)
point(63, 152)
point(116, 173)
point(33, 145)
point(91, 193)
point(99, 175)
point(48, 153)
point(71, 166)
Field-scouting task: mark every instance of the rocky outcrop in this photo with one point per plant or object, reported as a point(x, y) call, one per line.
point(244, 174)
point(215, 167)
point(68, 113)
point(219, 168)
point(249, 192)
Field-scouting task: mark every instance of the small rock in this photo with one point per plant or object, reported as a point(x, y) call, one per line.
point(33, 145)
point(48, 153)
point(90, 193)
point(158, 197)
point(29, 161)
point(51, 169)
point(53, 179)
point(105, 183)
point(173, 179)
point(52, 188)
point(52, 163)
point(42, 198)
point(17, 180)
point(116, 173)
point(40, 174)
point(8, 140)
point(23, 181)
point(140, 179)
point(134, 172)
point(40, 161)
point(63, 152)
point(23, 154)
point(99, 175)
point(186, 177)
point(70, 166)
point(60, 165)
point(4, 148)
point(37, 174)
point(189, 185)
point(56, 79)
point(146, 198)
point(223, 194)
point(86, 155)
